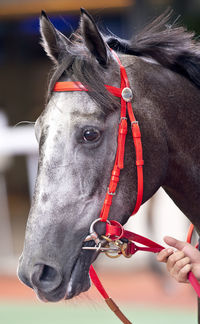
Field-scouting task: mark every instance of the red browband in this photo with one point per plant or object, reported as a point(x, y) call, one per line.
point(125, 93)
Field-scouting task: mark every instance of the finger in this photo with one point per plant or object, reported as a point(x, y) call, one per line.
point(179, 265)
point(192, 252)
point(183, 273)
point(176, 256)
point(187, 248)
point(174, 242)
point(196, 270)
point(163, 255)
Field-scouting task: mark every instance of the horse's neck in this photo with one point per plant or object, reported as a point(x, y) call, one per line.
point(182, 185)
point(182, 182)
point(168, 107)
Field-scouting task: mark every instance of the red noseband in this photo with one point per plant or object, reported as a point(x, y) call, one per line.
point(125, 93)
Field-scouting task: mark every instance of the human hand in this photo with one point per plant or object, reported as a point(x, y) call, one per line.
point(180, 262)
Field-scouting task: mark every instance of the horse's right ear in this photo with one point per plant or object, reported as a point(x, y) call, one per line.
point(53, 41)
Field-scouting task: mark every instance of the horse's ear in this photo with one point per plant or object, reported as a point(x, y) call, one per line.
point(93, 38)
point(53, 41)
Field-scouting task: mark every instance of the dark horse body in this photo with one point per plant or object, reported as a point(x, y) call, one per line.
point(77, 133)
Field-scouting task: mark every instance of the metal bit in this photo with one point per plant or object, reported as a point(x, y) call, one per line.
point(102, 249)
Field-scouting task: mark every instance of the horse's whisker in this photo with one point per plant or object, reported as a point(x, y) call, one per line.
point(24, 122)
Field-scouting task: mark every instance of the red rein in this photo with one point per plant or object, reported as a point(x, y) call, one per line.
point(113, 229)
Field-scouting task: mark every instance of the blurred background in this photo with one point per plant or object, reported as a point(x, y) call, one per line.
point(139, 284)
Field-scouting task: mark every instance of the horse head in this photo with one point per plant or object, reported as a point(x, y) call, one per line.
point(77, 136)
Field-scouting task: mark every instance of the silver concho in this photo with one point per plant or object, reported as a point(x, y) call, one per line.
point(127, 94)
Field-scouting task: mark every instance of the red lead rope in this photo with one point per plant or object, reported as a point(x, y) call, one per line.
point(116, 231)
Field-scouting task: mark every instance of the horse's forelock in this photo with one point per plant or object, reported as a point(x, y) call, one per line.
point(81, 66)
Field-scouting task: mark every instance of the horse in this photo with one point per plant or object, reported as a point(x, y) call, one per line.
point(77, 135)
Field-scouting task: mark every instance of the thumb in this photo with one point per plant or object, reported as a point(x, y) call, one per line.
point(174, 242)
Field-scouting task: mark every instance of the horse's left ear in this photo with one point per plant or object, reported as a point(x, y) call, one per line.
point(93, 39)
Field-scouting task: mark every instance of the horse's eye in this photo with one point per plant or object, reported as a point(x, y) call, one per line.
point(91, 135)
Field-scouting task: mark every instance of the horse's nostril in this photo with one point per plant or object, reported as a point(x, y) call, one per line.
point(48, 274)
point(45, 277)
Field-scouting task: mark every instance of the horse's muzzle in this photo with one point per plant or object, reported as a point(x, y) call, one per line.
point(45, 280)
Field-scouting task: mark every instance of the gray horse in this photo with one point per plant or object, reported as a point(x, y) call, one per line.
point(77, 135)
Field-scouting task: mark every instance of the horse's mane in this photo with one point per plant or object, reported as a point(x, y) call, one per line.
point(173, 47)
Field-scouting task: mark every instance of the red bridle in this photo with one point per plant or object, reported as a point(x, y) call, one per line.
point(125, 93)
point(114, 230)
